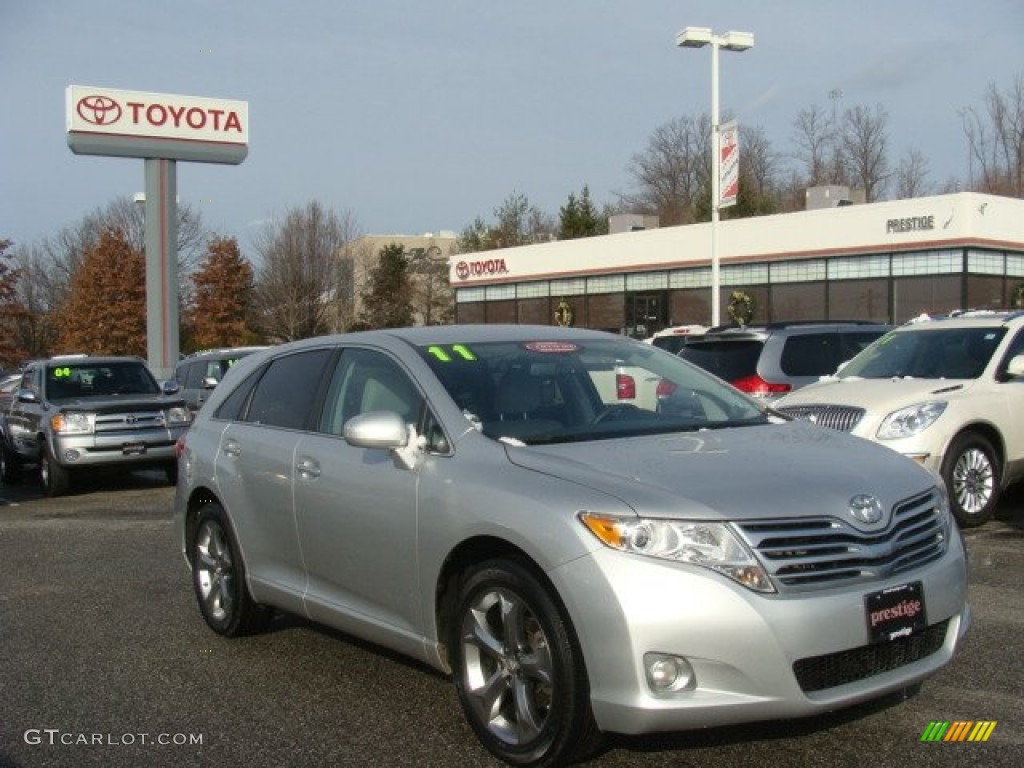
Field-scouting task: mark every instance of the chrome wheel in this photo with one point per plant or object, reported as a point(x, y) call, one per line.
point(517, 667)
point(508, 669)
point(972, 472)
point(973, 481)
point(215, 572)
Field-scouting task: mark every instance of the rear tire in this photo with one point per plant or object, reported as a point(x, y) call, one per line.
point(972, 474)
point(10, 467)
point(218, 576)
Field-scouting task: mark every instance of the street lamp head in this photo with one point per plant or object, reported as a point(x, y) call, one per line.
point(694, 37)
point(737, 41)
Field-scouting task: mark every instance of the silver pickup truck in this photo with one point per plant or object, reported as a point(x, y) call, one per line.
point(78, 413)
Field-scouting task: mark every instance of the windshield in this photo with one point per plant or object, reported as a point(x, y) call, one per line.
point(948, 353)
point(539, 391)
point(76, 380)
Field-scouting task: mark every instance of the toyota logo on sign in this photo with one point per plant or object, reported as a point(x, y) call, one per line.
point(98, 110)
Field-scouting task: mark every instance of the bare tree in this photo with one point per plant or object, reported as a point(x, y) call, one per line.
point(912, 176)
point(297, 285)
point(865, 143)
point(996, 141)
point(672, 173)
point(817, 149)
point(517, 222)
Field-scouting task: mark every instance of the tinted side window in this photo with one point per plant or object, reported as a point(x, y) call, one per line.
point(287, 391)
point(234, 405)
point(194, 376)
point(812, 354)
point(365, 381)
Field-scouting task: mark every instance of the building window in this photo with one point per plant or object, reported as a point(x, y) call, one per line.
point(745, 274)
point(606, 284)
point(927, 263)
point(1014, 265)
point(535, 290)
point(647, 281)
point(798, 271)
point(858, 267)
point(985, 263)
point(466, 295)
point(573, 287)
point(690, 278)
point(499, 292)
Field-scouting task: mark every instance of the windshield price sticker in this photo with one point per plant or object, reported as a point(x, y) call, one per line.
point(895, 612)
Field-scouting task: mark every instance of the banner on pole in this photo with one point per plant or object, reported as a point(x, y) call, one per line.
point(729, 165)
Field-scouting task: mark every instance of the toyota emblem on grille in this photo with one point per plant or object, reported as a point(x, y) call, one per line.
point(866, 509)
point(98, 110)
point(130, 419)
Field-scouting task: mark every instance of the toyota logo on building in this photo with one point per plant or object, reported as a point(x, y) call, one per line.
point(98, 110)
point(482, 268)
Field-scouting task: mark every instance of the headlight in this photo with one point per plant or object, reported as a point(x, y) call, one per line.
point(73, 423)
point(910, 420)
point(175, 417)
point(710, 545)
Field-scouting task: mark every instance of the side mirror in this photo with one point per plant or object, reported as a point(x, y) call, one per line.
point(170, 387)
point(384, 430)
point(1015, 368)
point(27, 396)
point(209, 383)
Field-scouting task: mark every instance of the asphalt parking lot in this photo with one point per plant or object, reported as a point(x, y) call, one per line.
point(105, 661)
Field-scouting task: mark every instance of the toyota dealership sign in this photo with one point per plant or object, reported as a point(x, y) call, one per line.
point(105, 121)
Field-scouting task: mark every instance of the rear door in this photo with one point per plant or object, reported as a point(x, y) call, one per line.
point(256, 467)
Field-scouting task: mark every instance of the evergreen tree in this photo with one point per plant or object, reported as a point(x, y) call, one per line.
point(222, 297)
point(11, 310)
point(387, 302)
point(105, 313)
point(579, 218)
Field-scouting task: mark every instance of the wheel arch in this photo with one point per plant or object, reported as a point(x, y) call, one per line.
point(991, 433)
point(472, 552)
point(199, 497)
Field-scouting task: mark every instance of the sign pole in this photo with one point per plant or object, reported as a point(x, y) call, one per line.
point(162, 342)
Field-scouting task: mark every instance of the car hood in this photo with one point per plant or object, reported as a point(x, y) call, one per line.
point(116, 403)
point(875, 395)
point(772, 471)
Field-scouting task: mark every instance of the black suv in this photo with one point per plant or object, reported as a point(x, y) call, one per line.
point(772, 360)
point(200, 372)
point(77, 413)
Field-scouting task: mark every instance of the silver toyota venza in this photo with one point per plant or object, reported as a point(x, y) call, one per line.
point(588, 533)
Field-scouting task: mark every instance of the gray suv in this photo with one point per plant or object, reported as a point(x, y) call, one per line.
point(76, 413)
point(199, 373)
point(772, 360)
point(553, 517)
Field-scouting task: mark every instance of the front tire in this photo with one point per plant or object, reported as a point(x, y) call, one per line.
point(518, 669)
point(55, 479)
point(972, 474)
point(218, 577)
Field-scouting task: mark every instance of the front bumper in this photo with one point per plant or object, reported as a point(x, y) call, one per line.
point(150, 446)
point(741, 645)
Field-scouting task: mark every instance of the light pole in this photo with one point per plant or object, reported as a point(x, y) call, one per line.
point(698, 37)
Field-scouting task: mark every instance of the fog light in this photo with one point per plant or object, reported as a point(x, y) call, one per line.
point(667, 673)
point(72, 455)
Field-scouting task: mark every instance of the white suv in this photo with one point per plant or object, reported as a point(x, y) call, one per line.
point(947, 392)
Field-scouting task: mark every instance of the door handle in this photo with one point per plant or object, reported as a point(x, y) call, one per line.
point(308, 468)
point(231, 448)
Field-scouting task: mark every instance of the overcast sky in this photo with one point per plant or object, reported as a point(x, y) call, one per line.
point(419, 115)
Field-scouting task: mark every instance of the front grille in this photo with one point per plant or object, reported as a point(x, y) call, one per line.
point(840, 417)
point(804, 554)
point(821, 672)
point(129, 421)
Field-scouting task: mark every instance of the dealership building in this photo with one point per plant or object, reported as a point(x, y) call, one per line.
point(887, 261)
